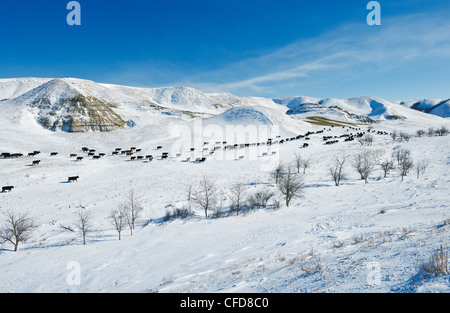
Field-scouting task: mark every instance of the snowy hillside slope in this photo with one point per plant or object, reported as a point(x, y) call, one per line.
point(14, 87)
point(436, 107)
point(355, 237)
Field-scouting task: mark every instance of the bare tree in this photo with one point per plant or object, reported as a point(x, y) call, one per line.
point(357, 163)
point(118, 219)
point(405, 166)
point(400, 154)
point(364, 164)
point(306, 164)
point(133, 210)
point(291, 185)
point(421, 167)
point(298, 162)
point(276, 174)
point(387, 166)
point(18, 228)
point(189, 190)
point(206, 195)
point(336, 170)
point(83, 223)
point(238, 195)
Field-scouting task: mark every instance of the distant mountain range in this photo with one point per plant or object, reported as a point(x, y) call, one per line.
point(75, 105)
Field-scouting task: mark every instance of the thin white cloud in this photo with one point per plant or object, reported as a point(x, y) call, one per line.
point(344, 53)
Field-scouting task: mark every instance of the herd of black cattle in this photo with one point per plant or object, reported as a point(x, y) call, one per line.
point(328, 140)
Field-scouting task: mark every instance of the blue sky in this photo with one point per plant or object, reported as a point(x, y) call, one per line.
point(262, 48)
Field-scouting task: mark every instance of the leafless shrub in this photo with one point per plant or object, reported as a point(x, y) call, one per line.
point(404, 137)
point(437, 264)
point(311, 263)
point(366, 140)
point(442, 131)
point(181, 213)
point(338, 244)
point(420, 133)
point(260, 199)
point(358, 239)
point(394, 135)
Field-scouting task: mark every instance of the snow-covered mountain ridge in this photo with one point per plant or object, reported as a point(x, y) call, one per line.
point(76, 105)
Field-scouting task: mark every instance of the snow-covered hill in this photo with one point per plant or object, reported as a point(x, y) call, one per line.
point(14, 87)
point(77, 105)
point(432, 106)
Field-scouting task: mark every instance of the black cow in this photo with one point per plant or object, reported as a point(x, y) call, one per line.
point(72, 179)
point(54, 154)
point(7, 188)
point(305, 145)
point(36, 162)
point(80, 158)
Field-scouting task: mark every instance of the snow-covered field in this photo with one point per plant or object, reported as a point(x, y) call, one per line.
point(356, 237)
